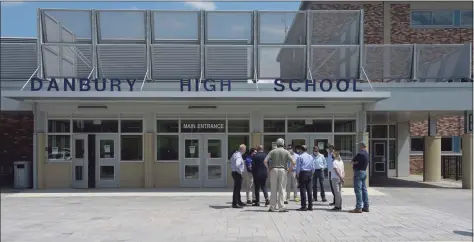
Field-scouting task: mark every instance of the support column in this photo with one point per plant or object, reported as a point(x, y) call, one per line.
point(432, 153)
point(467, 161)
point(40, 159)
point(432, 159)
point(149, 160)
point(403, 149)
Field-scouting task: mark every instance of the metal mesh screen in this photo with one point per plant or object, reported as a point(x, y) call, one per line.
point(18, 60)
point(334, 27)
point(122, 61)
point(282, 28)
point(388, 61)
point(67, 26)
point(228, 62)
point(226, 27)
point(122, 25)
point(334, 62)
point(176, 61)
point(281, 62)
point(442, 61)
point(176, 26)
point(67, 61)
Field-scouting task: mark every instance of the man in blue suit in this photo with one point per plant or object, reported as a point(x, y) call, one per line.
point(259, 172)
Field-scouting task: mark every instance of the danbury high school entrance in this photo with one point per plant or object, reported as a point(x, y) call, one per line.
point(145, 107)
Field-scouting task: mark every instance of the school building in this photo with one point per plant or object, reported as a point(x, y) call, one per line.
point(150, 98)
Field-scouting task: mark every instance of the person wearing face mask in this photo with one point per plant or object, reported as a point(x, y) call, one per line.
point(291, 182)
point(320, 164)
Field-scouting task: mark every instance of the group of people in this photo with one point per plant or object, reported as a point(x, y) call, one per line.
point(290, 169)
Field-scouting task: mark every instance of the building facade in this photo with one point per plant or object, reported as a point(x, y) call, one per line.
point(143, 98)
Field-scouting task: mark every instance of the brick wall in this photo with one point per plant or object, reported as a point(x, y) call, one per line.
point(16, 139)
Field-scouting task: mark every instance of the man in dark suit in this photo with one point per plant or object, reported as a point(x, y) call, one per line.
point(259, 172)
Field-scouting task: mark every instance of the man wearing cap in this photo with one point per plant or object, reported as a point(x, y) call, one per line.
point(291, 182)
point(359, 165)
point(280, 158)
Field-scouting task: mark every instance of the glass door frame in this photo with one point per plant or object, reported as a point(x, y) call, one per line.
point(84, 162)
point(195, 161)
point(329, 138)
point(115, 161)
point(206, 161)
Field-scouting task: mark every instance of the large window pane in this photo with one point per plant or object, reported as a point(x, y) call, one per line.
point(443, 17)
point(466, 18)
point(392, 131)
point(234, 141)
point(421, 18)
point(59, 147)
point(95, 126)
point(416, 144)
point(270, 140)
point(59, 126)
point(167, 126)
point(167, 147)
point(202, 126)
point(314, 126)
point(274, 126)
point(392, 154)
point(346, 145)
point(379, 131)
point(131, 126)
point(238, 126)
point(447, 144)
point(191, 148)
point(131, 147)
point(344, 126)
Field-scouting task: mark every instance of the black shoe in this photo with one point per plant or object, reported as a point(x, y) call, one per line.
point(334, 209)
point(310, 209)
point(315, 199)
point(332, 204)
point(285, 202)
point(365, 210)
point(254, 201)
point(242, 204)
point(267, 202)
point(324, 200)
point(256, 204)
point(249, 202)
point(302, 209)
point(236, 206)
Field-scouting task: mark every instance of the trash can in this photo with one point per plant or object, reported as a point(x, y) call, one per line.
point(21, 173)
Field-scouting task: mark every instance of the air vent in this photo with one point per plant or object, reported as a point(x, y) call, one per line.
point(202, 107)
point(310, 106)
point(92, 107)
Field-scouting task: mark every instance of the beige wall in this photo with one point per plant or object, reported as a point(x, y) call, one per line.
point(57, 175)
point(131, 175)
point(166, 174)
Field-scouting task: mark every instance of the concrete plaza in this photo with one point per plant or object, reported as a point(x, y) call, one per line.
point(397, 214)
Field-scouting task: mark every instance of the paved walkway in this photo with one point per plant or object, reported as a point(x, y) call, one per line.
point(151, 215)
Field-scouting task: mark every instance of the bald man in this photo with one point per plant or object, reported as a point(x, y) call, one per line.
point(237, 165)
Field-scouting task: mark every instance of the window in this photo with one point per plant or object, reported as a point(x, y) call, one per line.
point(274, 126)
point(167, 126)
point(131, 140)
point(270, 140)
point(59, 140)
point(202, 126)
point(95, 126)
point(379, 131)
point(346, 146)
point(417, 144)
point(344, 126)
point(446, 144)
point(314, 126)
point(238, 126)
point(441, 18)
point(234, 141)
point(167, 148)
point(391, 155)
point(392, 131)
point(466, 18)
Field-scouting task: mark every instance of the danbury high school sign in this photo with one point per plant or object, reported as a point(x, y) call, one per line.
point(208, 85)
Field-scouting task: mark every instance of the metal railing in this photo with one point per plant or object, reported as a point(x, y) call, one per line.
point(451, 167)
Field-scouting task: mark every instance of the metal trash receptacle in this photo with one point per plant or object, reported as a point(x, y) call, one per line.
point(21, 174)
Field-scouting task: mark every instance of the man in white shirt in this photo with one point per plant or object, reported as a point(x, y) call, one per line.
point(237, 165)
point(329, 161)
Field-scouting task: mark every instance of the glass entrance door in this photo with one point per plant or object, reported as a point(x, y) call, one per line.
point(296, 141)
point(322, 142)
point(107, 165)
point(203, 160)
point(80, 161)
point(378, 158)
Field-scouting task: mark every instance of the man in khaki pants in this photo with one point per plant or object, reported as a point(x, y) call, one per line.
point(278, 175)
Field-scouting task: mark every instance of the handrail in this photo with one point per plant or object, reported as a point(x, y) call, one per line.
point(144, 79)
point(26, 83)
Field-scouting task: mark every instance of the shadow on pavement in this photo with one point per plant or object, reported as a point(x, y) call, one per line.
point(219, 207)
point(394, 182)
point(465, 233)
point(118, 190)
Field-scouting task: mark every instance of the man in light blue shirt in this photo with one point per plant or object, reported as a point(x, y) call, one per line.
point(237, 165)
point(291, 181)
point(329, 160)
point(304, 173)
point(319, 166)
